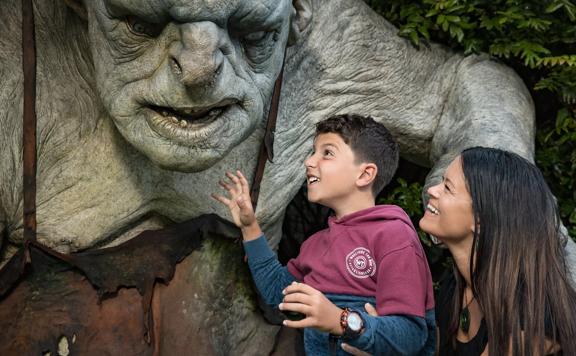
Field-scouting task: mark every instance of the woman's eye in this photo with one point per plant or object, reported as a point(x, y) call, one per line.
point(142, 28)
point(328, 153)
point(446, 187)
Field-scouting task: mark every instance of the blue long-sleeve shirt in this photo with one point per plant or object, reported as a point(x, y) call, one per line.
point(383, 335)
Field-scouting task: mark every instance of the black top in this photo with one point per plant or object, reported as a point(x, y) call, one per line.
point(450, 346)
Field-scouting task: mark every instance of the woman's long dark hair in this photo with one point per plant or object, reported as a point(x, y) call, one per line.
point(519, 275)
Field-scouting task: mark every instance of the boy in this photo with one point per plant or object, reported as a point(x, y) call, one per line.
point(368, 254)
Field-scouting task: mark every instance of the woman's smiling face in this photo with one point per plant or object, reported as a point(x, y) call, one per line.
point(448, 214)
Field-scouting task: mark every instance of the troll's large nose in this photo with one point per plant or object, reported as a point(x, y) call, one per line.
point(197, 58)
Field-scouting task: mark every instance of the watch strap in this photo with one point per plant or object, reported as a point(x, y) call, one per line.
point(347, 332)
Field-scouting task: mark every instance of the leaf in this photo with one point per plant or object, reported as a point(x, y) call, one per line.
point(571, 11)
point(562, 116)
point(456, 8)
point(501, 49)
point(529, 51)
point(445, 26)
point(535, 24)
point(568, 60)
point(553, 7)
point(441, 19)
point(424, 32)
point(471, 46)
point(414, 38)
point(454, 19)
point(459, 34)
point(566, 4)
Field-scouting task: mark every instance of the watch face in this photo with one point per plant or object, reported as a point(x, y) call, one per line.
point(354, 321)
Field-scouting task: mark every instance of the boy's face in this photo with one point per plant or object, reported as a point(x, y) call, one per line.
point(331, 171)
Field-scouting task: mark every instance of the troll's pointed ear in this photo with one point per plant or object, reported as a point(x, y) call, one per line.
point(369, 171)
point(78, 7)
point(301, 19)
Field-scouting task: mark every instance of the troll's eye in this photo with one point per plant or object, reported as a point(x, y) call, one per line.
point(142, 28)
point(259, 46)
point(255, 36)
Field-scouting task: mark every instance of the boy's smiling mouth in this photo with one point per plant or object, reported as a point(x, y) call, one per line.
point(313, 179)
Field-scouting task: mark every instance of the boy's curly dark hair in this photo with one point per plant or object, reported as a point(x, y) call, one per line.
point(369, 140)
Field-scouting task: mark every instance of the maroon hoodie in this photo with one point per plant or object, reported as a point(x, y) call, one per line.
point(373, 252)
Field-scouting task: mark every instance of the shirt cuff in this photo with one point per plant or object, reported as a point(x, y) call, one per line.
point(258, 249)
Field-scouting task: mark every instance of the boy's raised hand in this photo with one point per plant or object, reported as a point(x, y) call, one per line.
point(240, 205)
point(320, 312)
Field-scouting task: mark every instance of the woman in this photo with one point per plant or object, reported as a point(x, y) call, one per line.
point(510, 293)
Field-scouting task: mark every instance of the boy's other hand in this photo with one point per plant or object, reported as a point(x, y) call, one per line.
point(320, 312)
point(240, 205)
point(352, 350)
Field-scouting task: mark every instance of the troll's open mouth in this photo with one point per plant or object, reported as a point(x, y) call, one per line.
point(191, 118)
point(188, 125)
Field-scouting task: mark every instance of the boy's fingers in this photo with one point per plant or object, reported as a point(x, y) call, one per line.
point(243, 181)
point(353, 350)
point(294, 307)
point(299, 287)
point(221, 199)
point(296, 298)
point(225, 185)
point(299, 324)
point(236, 181)
point(370, 309)
point(232, 177)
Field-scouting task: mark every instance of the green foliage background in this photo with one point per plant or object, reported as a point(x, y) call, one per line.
point(537, 38)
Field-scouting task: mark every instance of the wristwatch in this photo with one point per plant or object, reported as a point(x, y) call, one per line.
point(352, 323)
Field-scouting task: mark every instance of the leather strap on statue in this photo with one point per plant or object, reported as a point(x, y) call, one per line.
point(267, 146)
point(29, 120)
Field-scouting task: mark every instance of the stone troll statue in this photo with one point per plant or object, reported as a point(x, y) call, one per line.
point(143, 105)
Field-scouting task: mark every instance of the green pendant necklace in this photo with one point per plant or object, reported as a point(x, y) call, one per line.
point(465, 317)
